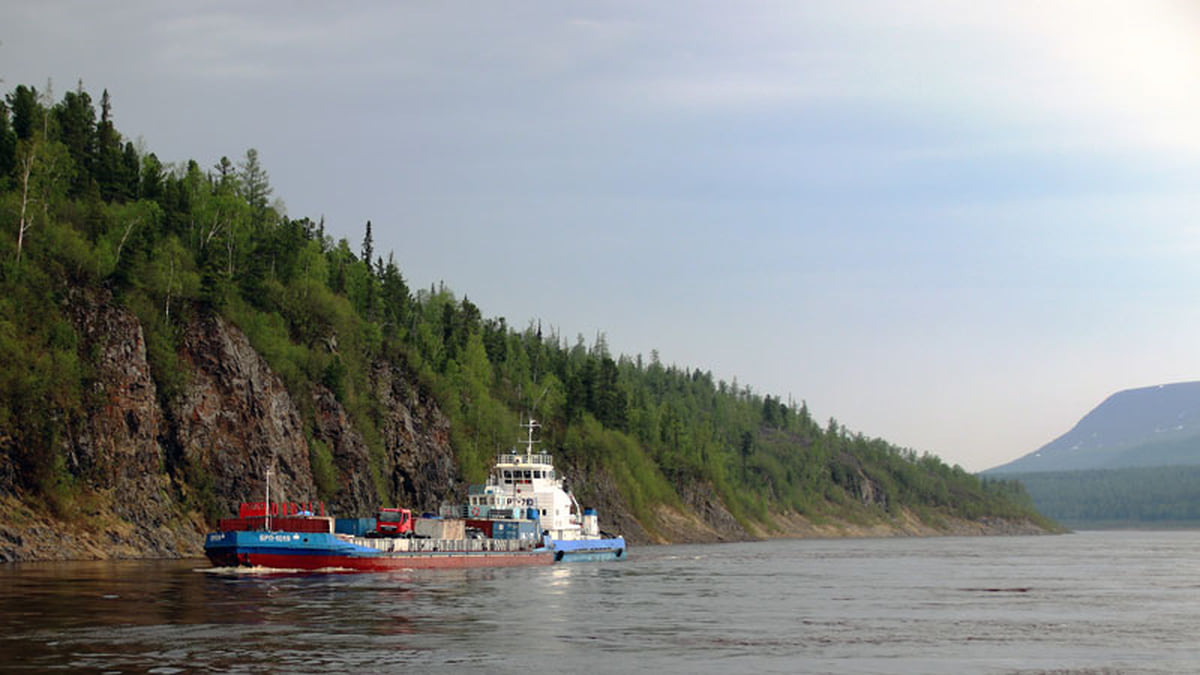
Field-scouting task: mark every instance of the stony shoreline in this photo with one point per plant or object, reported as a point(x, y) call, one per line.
point(27, 535)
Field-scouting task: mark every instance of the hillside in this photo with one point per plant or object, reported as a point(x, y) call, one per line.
point(1131, 497)
point(1131, 462)
point(168, 333)
point(1150, 426)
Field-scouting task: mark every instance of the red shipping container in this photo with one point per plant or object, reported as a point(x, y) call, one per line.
point(484, 525)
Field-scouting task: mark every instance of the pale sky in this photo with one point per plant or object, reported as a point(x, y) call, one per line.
point(955, 226)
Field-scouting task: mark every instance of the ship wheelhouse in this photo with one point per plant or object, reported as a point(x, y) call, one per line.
point(524, 479)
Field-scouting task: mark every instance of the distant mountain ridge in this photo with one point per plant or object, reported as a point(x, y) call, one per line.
point(1148, 426)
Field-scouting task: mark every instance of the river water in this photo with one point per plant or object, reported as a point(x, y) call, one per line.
point(1081, 603)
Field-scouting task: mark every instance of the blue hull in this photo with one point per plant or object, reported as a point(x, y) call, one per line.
point(322, 551)
point(588, 550)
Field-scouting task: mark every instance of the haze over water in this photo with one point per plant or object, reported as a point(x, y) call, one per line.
point(1090, 602)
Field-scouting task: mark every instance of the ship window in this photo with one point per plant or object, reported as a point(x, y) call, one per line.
point(507, 476)
point(543, 512)
point(537, 474)
point(528, 475)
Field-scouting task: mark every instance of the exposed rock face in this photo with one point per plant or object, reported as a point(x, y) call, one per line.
point(356, 495)
point(144, 470)
point(236, 419)
point(849, 474)
point(233, 419)
point(706, 503)
point(594, 488)
point(419, 464)
point(115, 447)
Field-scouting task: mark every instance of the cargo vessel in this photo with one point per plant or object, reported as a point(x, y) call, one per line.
point(300, 537)
point(525, 481)
point(524, 515)
point(332, 552)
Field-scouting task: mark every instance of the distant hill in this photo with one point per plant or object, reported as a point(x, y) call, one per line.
point(1150, 426)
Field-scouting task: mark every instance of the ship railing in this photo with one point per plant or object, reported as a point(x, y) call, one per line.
point(523, 458)
point(448, 545)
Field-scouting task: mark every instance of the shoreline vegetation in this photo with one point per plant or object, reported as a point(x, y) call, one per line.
point(30, 535)
point(1131, 497)
point(169, 332)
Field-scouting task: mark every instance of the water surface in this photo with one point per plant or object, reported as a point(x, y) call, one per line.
point(1089, 602)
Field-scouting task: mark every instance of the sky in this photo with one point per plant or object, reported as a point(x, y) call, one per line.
point(955, 226)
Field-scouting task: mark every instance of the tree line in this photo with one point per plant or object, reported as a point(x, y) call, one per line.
point(81, 206)
point(1153, 496)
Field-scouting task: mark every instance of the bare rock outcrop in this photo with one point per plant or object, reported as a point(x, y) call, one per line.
point(419, 463)
point(595, 488)
point(703, 500)
point(144, 479)
point(114, 448)
point(356, 492)
point(235, 419)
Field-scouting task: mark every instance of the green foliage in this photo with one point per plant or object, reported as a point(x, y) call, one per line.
point(324, 472)
point(171, 241)
point(641, 482)
point(1129, 497)
point(41, 383)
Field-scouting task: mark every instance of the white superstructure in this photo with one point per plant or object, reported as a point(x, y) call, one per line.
point(527, 480)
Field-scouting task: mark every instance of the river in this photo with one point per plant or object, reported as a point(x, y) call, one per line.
point(1080, 603)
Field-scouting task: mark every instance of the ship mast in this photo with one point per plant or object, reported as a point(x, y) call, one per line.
point(268, 499)
point(533, 424)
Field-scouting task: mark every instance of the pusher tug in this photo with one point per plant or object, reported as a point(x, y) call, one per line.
point(525, 481)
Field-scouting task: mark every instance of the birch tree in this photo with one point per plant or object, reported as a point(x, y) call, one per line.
point(42, 169)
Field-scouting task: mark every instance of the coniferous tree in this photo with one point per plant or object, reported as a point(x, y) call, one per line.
point(370, 297)
point(26, 111)
point(256, 187)
point(151, 184)
point(368, 245)
point(198, 241)
point(395, 297)
point(77, 130)
point(8, 146)
point(108, 154)
point(226, 177)
point(129, 175)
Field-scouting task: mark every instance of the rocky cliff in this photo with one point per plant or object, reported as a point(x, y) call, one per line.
point(150, 475)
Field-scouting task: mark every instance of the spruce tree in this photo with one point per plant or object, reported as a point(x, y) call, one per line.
point(368, 246)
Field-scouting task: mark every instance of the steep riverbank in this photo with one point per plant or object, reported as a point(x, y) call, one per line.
point(28, 534)
point(146, 475)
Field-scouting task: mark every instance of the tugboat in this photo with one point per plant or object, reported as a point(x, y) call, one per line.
point(524, 481)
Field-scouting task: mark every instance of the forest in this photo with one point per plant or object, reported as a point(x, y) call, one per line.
point(1154, 496)
point(83, 206)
